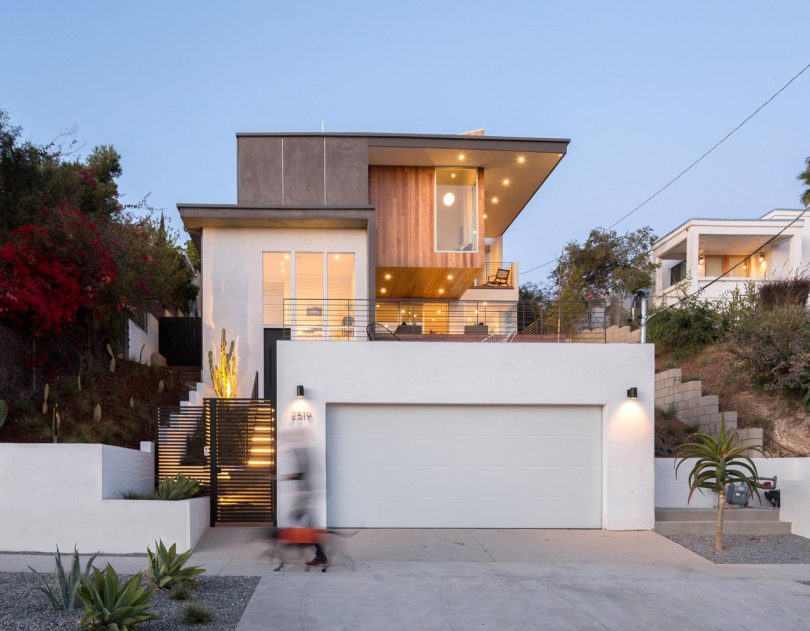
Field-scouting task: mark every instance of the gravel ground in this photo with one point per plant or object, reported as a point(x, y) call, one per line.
point(749, 548)
point(24, 608)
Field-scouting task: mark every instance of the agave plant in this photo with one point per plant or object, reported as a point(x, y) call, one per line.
point(180, 487)
point(68, 584)
point(720, 462)
point(113, 607)
point(165, 567)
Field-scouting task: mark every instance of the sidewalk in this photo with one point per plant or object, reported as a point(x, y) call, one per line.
point(498, 579)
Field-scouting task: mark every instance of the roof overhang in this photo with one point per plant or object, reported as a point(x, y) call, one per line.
point(514, 167)
point(197, 216)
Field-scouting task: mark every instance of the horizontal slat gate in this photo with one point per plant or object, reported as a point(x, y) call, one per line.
point(182, 443)
point(243, 440)
point(180, 341)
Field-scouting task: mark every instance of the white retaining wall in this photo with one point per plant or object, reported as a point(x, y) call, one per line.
point(793, 480)
point(146, 340)
point(63, 495)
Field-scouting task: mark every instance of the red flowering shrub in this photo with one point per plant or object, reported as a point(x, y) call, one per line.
point(49, 271)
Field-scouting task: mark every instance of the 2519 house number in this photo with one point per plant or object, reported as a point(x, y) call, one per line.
point(300, 418)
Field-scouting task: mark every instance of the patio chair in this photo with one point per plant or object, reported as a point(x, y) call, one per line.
point(501, 278)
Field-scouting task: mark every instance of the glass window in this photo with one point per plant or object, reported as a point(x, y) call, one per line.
point(309, 302)
point(456, 209)
point(276, 286)
point(340, 294)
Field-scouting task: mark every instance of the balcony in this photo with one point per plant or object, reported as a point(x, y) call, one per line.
point(450, 321)
point(496, 275)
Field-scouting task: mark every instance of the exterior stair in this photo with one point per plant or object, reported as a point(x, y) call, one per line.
point(736, 521)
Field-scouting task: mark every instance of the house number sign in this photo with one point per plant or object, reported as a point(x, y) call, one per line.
point(300, 418)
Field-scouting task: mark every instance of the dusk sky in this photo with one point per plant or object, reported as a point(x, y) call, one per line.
point(641, 89)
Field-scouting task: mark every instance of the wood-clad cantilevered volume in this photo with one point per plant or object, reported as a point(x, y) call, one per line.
point(404, 201)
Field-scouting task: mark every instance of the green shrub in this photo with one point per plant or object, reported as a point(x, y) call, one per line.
point(180, 487)
point(194, 614)
point(774, 346)
point(690, 326)
point(165, 567)
point(68, 585)
point(181, 591)
point(112, 607)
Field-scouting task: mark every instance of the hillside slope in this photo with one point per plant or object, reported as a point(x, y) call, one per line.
point(785, 423)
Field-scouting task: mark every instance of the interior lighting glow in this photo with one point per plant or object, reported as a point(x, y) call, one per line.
point(507, 181)
point(461, 156)
point(448, 199)
point(521, 159)
point(495, 200)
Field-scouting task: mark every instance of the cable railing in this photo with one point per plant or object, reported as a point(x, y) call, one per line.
point(446, 320)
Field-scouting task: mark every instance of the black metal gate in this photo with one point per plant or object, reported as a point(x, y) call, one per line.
point(228, 444)
point(180, 341)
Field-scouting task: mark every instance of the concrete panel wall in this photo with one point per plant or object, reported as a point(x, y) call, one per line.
point(276, 171)
point(233, 287)
point(259, 171)
point(483, 374)
point(303, 171)
point(55, 495)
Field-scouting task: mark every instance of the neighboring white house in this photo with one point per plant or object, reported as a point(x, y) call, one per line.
point(700, 250)
point(361, 277)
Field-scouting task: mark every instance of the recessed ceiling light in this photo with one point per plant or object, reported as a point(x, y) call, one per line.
point(485, 215)
point(441, 291)
point(521, 159)
point(337, 257)
point(559, 155)
point(495, 200)
point(388, 277)
point(453, 175)
point(449, 277)
point(383, 290)
point(438, 310)
point(461, 156)
point(507, 181)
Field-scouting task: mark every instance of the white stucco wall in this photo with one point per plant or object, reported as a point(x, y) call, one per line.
point(57, 495)
point(232, 286)
point(486, 374)
point(793, 480)
point(143, 343)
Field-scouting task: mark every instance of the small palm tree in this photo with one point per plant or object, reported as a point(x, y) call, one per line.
point(720, 461)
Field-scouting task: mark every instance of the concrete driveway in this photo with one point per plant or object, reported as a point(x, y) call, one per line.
point(509, 579)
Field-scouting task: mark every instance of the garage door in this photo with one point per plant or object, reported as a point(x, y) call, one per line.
point(464, 466)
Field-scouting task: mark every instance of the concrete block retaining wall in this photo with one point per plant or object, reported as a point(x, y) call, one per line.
point(66, 494)
point(696, 409)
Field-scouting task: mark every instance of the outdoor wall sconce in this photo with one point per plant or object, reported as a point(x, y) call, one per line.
point(299, 392)
point(632, 393)
point(761, 257)
point(701, 258)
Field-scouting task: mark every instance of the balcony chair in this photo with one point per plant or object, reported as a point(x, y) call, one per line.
point(501, 278)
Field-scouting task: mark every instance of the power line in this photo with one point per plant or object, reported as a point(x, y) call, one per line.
point(693, 164)
point(731, 269)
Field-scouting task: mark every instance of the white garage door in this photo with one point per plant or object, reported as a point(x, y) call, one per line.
point(464, 466)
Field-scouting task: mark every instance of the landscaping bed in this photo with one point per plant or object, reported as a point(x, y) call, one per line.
point(777, 549)
point(24, 608)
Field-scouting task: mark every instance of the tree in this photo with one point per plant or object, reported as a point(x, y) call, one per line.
point(804, 177)
point(720, 462)
point(606, 263)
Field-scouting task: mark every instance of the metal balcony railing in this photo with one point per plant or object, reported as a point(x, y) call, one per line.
point(495, 275)
point(446, 320)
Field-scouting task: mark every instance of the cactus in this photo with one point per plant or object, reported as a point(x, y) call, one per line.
point(161, 386)
point(140, 355)
point(45, 394)
point(97, 413)
point(223, 376)
point(112, 358)
point(3, 412)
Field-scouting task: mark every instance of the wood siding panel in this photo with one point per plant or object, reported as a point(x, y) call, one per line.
point(403, 198)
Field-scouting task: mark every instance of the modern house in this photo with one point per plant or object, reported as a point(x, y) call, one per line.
point(362, 279)
point(729, 254)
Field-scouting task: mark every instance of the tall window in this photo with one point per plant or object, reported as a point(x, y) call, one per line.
point(276, 285)
point(309, 305)
point(456, 210)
